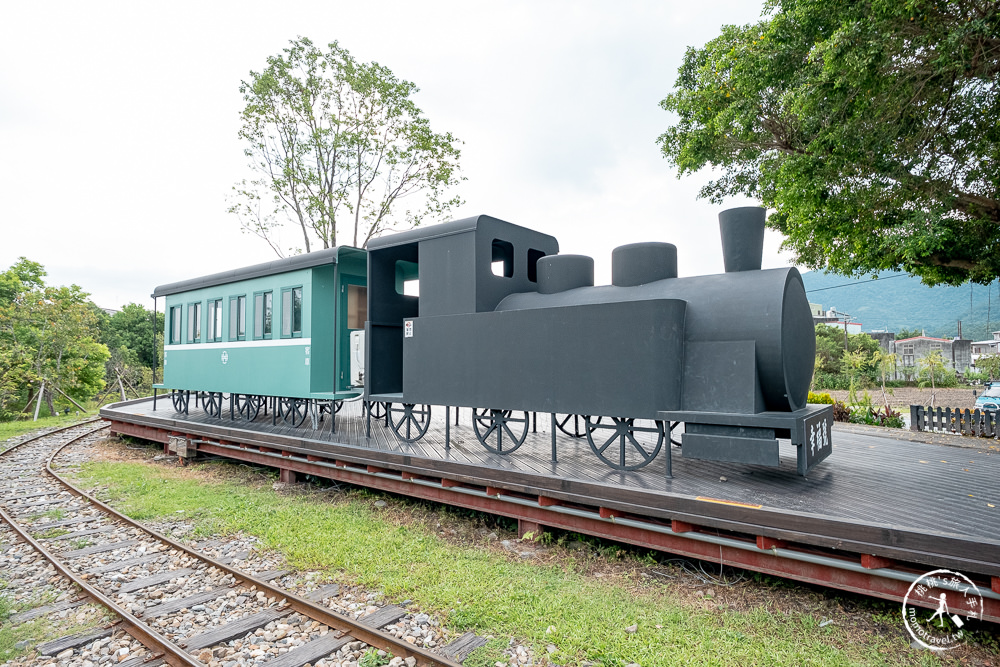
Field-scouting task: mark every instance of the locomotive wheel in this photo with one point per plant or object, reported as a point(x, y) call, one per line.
point(293, 410)
point(491, 425)
point(211, 402)
point(673, 425)
point(577, 428)
point(377, 409)
point(248, 406)
point(628, 453)
point(409, 421)
point(180, 400)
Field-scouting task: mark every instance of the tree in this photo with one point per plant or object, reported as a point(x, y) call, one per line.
point(905, 333)
point(48, 335)
point(869, 127)
point(132, 327)
point(932, 369)
point(886, 363)
point(989, 364)
point(837, 368)
point(333, 142)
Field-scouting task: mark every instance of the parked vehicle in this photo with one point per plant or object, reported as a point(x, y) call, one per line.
point(990, 398)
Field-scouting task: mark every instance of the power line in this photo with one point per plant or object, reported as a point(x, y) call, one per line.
point(860, 282)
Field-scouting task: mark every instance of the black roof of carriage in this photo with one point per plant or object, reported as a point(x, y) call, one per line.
point(304, 261)
point(443, 229)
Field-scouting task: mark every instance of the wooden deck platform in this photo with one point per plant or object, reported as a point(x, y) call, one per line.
point(911, 502)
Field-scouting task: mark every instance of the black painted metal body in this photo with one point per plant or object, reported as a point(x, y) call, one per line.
point(731, 355)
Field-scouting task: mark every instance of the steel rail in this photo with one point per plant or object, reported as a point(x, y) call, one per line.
point(347, 626)
point(58, 430)
point(170, 652)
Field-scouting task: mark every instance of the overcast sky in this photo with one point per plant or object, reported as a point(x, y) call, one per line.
point(118, 124)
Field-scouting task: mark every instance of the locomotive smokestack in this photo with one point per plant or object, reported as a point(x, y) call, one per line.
point(742, 238)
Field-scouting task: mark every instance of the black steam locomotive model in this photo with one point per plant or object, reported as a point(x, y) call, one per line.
point(503, 324)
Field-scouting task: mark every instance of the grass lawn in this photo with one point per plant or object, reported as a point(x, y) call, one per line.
point(16, 428)
point(570, 606)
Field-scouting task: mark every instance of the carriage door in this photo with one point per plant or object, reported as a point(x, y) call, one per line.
point(350, 344)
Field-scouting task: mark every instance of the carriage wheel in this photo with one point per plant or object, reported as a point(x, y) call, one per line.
point(248, 406)
point(293, 410)
point(673, 425)
point(211, 401)
point(376, 408)
point(329, 407)
point(180, 400)
point(491, 425)
point(576, 428)
point(628, 453)
point(409, 422)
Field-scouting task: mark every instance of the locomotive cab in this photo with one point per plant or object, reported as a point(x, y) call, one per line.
point(460, 267)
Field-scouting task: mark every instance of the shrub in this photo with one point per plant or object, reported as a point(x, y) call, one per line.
point(820, 398)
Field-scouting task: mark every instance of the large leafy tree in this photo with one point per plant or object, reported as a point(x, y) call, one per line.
point(869, 127)
point(132, 327)
point(337, 146)
point(47, 334)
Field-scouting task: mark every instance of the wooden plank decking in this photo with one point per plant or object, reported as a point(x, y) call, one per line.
point(906, 496)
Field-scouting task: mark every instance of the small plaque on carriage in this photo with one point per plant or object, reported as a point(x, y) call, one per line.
point(408, 329)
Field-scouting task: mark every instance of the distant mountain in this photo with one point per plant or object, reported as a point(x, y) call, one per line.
point(895, 300)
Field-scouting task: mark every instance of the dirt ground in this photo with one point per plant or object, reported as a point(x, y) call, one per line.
point(904, 397)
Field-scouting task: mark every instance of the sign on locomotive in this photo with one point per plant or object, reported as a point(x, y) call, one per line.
point(505, 325)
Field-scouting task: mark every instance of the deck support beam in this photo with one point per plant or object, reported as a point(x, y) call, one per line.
point(846, 569)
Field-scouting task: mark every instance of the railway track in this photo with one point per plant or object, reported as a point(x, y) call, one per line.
point(183, 606)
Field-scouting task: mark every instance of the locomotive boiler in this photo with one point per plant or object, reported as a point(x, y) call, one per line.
point(503, 324)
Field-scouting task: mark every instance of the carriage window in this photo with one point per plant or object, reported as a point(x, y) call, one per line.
point(503, 258)
point(175, 325)
point(291, 312)
point(194, 322)
point(533, 257)
point(215, 320)
point(357, 306)
point(407, 278)
point(262, 315)
point(237, 317)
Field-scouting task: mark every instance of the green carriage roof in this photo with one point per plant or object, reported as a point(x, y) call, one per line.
point(304, 261)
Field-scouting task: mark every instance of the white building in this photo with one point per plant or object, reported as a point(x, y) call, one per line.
point(981, 347)
point(833, 318)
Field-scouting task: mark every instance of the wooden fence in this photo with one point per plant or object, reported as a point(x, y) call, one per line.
point(976, 422)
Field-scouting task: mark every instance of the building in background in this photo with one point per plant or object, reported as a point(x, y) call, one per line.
point(957, 354)
point(834, 318)
point(981, 347)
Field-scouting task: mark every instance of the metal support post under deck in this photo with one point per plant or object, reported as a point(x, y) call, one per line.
point(553, 428)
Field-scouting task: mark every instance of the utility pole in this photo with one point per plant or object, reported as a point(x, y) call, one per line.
point(847, 318)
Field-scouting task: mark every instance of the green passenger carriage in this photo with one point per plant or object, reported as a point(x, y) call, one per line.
point(274, 336)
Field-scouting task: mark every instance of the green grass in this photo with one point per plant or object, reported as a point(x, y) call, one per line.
point(13, 429)
point(491, 593)
point(56, 514)
point(39, 630)
point(36, 630)
point(52, 532)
